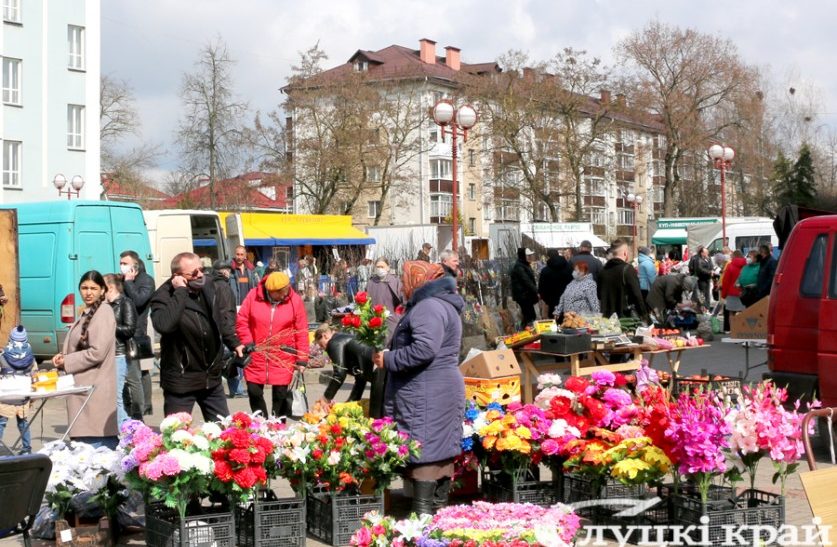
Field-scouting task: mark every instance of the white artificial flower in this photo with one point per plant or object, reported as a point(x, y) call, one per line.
point(480, 422)
point(211, 430)
point(200, 442)
point(333, 458)
point(182, 436)
point(300, 453)
point(170, 423)
point(560, 428)
point(548, 537)
point(467, 431)
point(183, 458)
point(202, 463)
point(412, 528)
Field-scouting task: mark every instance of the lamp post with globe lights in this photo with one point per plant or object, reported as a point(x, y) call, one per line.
point(722, 157)
point(635, 200)
point(76, 184)
point(452, 120)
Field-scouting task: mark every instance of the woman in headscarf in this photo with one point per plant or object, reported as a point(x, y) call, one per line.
point(425, 392)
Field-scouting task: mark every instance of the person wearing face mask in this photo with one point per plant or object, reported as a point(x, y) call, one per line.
point(748, 279)
point(385, 289)
point(193, 330)
point(89, 354)
point(126, 323)
point(139, 286)
point(580, 295)
point(273, 318)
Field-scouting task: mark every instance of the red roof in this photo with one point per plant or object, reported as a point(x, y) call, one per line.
point(114, 191)
point(253, 190)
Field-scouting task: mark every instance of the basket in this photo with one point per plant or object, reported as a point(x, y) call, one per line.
point(579, 488)
point(334, 517)
point(750, 508)
point(523, 487)
point(211, 526)
point(727, 384)
point(484, 391)
point(270, 521)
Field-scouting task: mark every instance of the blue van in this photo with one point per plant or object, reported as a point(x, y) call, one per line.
point(57, 242)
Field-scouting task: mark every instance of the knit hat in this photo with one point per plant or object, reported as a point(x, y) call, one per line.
point(277, 281)
point(18, 353)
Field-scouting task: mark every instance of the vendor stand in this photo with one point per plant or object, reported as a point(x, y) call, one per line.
point(23, 398)
point(673, 356)
point(748, 343)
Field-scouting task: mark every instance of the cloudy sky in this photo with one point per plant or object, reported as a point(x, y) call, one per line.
point(151, 43)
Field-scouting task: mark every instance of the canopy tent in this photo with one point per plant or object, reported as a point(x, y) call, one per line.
point(670, 236)
point(279, 229)
point(563, 240)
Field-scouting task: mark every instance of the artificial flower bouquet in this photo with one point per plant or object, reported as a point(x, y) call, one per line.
point(481, 524)
point(173, 466)
point(510, 439)
point(78, 468)
point(241, 456)
point(368, 322)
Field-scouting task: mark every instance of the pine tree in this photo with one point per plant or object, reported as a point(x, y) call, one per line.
point(803, 177)
point(781, 178)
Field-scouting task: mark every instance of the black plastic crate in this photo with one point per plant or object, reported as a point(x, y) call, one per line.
point(207, 526)
point(334, 517)
point(270, 521)
point(727, 385)
point(579, 488)
point(523, 487)
point(750, 508)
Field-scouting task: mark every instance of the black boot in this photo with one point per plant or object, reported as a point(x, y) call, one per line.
point(440, 496)
point(423, 497)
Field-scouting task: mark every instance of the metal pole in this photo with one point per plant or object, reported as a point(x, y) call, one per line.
point(455, 209)
point(723, 205)
point(634, 205)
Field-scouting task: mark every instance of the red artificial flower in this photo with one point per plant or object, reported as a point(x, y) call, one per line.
point(317, 453)
point(347, 479)
point(356, 322)
point(620, 381)
point(379, 309)
point(375, 322)
point(261, 474)
point(245, 478)
point(336, 429)
point(400, 309)
point(595, 407)
point(258, 455)
point(346, 321)
point(238, 437)
point(242, 420)
point(338, 442)
point(220, 454)
point(576, 384)
point(361, 298)
point(560, 407)
point(223, 471)
point(240, 455)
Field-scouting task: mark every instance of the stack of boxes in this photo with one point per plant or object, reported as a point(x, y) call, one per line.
point(492, 376)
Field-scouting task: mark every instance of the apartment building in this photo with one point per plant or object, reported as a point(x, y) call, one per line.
point(49, 120)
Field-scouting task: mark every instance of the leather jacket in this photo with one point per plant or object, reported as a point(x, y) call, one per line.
point(126, 322)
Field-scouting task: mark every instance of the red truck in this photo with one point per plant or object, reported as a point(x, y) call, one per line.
point(802, 315)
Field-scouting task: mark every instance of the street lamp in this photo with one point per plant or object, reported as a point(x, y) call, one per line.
point(76, 184)
point(722, 157)
point(635, 200)
point(463, 118)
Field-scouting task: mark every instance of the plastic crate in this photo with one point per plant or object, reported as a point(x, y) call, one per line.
point(270, 521)
point(334, 517)
point(524, 487)
point(750, 508)
point(728, 384)
point(500, 390)
point(211, 526)
point(578, 488)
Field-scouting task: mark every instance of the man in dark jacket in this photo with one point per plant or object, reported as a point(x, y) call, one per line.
point(701, 267)
point(554, 278)
point(139, 286)
point(224, 296)
point(523, 287)
point(193, 329)
point(585, 254)
point(667, 292)
point(244, 275)
point(424, 252)
point(618, 285)
point(766, 271)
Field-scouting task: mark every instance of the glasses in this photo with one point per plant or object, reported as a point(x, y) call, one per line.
point(193, 274)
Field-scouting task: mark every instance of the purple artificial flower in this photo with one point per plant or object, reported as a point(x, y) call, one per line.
point(603, 378)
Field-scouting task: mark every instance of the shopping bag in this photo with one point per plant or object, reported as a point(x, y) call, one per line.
point(296, 394)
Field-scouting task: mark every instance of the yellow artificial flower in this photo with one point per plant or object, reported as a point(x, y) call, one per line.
point(656, 457)
point(492, 415)
point(509, 419)
point(489, 442)
point(629, 469)
point(494, 428)
point(523, 432)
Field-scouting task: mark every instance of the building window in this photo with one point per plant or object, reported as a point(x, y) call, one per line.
point(626, 217)
point(594, 186)
point(625, 161)
point(11, 163)
point(507, 210)
point(441, 205)
point(472, 159)
point(374, 208)
point(11, 81)
point(596, 158)
point(361, 66)
point(597, 215)
point(75, 126)
point(289, 193)
point(434, 133)
point(441, 169)
point(472, 191)
point(373, 173)
point(472, 225)
point(75, 45)
point(11, 11)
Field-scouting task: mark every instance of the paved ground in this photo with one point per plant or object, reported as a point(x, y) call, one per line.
point(717, 359)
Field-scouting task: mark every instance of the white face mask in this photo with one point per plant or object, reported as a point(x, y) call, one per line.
point(577, 274)
point(749, 260)
point(381, 272)
point(126, 269)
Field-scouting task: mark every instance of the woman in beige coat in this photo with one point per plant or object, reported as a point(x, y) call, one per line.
point(90, 355)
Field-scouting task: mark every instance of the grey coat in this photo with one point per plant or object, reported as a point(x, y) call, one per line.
point(425, 392)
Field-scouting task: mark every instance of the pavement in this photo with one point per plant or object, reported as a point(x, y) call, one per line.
point(718, 358)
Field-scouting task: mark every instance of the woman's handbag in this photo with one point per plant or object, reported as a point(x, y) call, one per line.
point(296, 395)
point(144, 349)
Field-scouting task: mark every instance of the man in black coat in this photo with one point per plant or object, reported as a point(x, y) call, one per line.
point(585, 254)
point(767, 271)
point(618, 285)
point(194, 329)
point(554, 278)
point(667, 292)
point(139, 286)
point(225, 297)
point(523, 287)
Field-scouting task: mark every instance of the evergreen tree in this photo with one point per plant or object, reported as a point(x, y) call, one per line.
point(781, 178)
point(803, 176)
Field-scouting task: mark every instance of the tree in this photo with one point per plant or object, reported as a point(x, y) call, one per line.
point(795, 183)
point(210, 132)
point(691, 81)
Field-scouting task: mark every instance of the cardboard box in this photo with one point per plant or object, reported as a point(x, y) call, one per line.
point(751, 324)
point(491, 364)
point(484, 391)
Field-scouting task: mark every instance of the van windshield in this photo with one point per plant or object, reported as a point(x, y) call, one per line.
point(206, 237)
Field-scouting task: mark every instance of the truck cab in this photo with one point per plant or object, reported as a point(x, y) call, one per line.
point(802, 316)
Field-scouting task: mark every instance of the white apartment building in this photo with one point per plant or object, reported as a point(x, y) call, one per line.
point(49, 121)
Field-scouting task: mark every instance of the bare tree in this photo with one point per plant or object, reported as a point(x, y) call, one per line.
point(689, 80)
point(211, 130)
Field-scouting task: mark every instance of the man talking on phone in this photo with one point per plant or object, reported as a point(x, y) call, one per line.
point(139, 287)
point(193, 332)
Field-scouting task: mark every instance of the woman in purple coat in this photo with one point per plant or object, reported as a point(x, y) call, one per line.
point(425, 392)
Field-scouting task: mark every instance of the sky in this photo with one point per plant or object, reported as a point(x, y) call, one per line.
point(152, 43)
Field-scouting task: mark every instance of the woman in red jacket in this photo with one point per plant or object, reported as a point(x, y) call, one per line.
point(729, 288)
point(273, 318)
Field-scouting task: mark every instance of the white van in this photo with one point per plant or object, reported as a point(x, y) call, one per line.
point(743, 234)
point(174, 231)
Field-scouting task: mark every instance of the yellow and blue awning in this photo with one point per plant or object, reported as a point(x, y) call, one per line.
point(280, 229)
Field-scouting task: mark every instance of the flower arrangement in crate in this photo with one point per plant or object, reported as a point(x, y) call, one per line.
point(761, 427)
point(175, 465)
point(241, 456)
point(78, 468)
point(368, 322)
point(349, 448)
point(478, 525)
point(510, 440)
point(292, 453)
